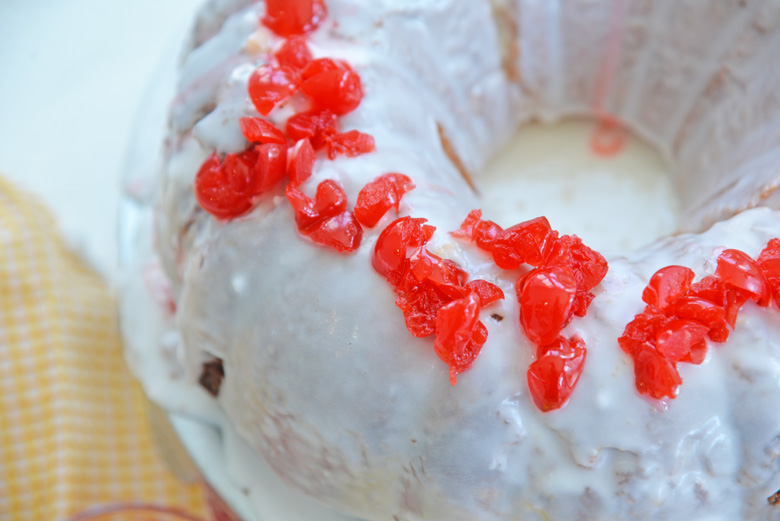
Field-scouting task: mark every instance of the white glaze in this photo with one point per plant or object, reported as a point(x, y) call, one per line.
point(323, 379)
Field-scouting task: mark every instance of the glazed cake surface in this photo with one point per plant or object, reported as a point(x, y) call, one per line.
point(322, 377)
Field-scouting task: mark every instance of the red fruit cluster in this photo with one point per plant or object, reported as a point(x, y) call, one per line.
point(434, 293)
point(680, 314)
point(293, 17)
point(325, 219)
point(230, 187)
point(558, 287)
point(227, 188)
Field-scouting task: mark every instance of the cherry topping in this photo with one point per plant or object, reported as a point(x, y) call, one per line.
point(642, 330)
point(270, 166)
point(546, 296)
point(316, 125)
point(332, 86)
point(293, 17)
point(325, 219)
point(226, 189)
point(216, 195)
point(459, 334)
point(258, 130)
point(300, 162)
point(391, 252)
point(554, 374)
point(526, 243)
point(378, 196)
point(677, 338)
point(713, 316)
point(738, 270)
point(352, 144)
point(655, 375)
point(428, 284)
point(294, 53)
point(270, 86)
point(488, 293)
point(667, 285)
point(469, 226)
point(769, 261)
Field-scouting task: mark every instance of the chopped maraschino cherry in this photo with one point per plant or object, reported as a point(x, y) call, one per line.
point(378, 196)
point(488, 293)
point(769, 261)
point(294, 53)
point(293, 17)
point(226, 189)
point(713, 316)
point(739, 271)
point(332, 86)
point(667, 285)
point(316, 125)
point(655, 375)
point(271, 86)
point(529, 242)
point(642, 329)
point(258, 130)
point(676, 339)
point(215, 193)
point(546, 296)
point(553, 376)
point(391, 252)
point(325, 219)
point(300, 162)
point(459, 334)
point(351, 144)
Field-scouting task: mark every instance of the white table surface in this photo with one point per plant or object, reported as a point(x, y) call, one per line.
point(72, 75)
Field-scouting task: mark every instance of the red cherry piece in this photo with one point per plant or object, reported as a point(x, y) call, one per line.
point(582, 303)
point(697, 355)
point(294, 53)
point(321, 65)
point(739, 271)
point(270, 167)
point(469, 226)
point(655, 375)
point(486, 233)
point(678, 337)
point(316, 125)
point(341, 232)
point(546, 298)
point(667, 285)
point(300, 162)
point(293, 17)
point(378, 196)
point(769, 262)
point(271, 86)
point(588, 266)
point(528, 242)
point(642, 329)
point(258, 130)
point(459, 334)
point(325, 219)
point(391, 251)
point(553, 376)
point(488, 293)
point(351, 144)
point(336, 89)
point(216, 195)
point(708, 313)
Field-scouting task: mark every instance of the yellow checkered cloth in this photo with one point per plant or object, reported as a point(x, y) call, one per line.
point(73, 425)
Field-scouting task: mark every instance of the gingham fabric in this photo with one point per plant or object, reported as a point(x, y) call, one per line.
point(73, 427)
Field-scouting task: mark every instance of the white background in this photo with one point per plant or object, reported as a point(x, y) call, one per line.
point(72, 75)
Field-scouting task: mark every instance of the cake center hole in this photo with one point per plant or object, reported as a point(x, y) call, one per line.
point(613, 202)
